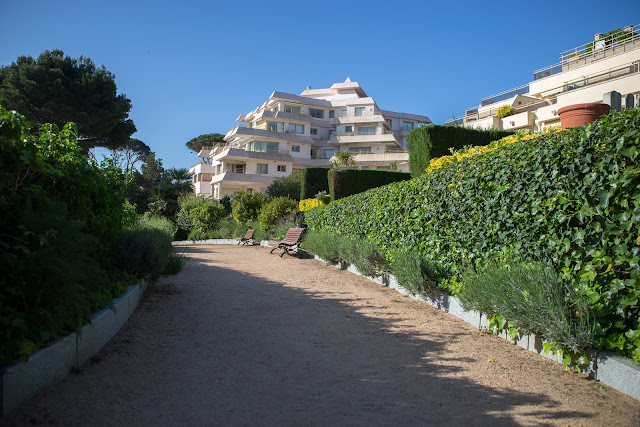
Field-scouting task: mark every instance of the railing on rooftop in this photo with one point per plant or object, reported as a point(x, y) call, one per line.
point(614, 44)
point(520, 90)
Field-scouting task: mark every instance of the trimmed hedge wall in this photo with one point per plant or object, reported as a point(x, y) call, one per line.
point(345, 182)
point(569, 199)
point(314, 180)
point(428, 142)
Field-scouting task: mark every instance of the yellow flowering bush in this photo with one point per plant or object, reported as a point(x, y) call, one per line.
point(308, 204)
point(505, 111)
point(457, 156)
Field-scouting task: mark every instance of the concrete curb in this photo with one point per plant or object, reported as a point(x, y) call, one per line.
point(608, 368)
point(23, 380)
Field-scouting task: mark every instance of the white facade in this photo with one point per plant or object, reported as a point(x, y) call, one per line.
point(291, 132)
point(584, 75)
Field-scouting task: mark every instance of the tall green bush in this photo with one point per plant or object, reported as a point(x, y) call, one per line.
point(569, 199)
point(428, 142)
point(60, 216)
point(287, 186)
point(246, 205)
point(314, 180)
point(345, 182)
point(275, 210)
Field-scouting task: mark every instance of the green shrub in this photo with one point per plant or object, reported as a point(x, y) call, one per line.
point(569, 199)
point(287, 186)
point(314, 180)
point(60, 216)
point(145, 249)
point(246, 205)
point(532, 297)
point(365, 256)
point(198, 215)
point(416, 273)
point(505, 111)
point(327, 246)
point(345, 182)
point(274, 210)
point(428, 142)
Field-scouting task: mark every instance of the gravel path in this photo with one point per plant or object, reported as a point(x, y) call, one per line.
point(244, 337)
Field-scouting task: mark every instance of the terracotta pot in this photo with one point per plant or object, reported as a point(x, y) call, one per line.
point(577, 115)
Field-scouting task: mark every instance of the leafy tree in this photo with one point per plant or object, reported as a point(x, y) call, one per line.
point(164, 196)
point(286, 186)
point(127, 156)
point(206, 140)
point(58, 89)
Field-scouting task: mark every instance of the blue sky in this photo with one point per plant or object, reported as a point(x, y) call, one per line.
point(192, 67)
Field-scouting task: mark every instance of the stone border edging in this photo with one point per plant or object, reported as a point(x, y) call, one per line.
point(23, 380)
point(615, 371)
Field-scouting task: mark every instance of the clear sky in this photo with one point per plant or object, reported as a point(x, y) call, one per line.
point(193, 67)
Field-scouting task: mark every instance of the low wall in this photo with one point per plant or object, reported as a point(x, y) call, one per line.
point(21, 381)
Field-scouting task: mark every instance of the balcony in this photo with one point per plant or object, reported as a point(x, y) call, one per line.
point(247, 177)
point(615, 44)
point(240, 153)
point(363, 118)
point(240, 131)
point(350, 137)
point(522, 120)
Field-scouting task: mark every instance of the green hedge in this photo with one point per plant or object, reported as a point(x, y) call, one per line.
point(428, 142)
point(569, 199)
point(345, 182)
point(314, 180)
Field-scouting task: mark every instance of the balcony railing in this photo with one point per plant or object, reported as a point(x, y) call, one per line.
point(621, 42)
point(362, 114)
point(520, 90)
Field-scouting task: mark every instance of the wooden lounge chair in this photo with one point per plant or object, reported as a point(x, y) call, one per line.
point(247, 239)
point(290, 242)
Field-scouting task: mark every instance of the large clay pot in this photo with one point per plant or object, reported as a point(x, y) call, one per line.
point(577, 115)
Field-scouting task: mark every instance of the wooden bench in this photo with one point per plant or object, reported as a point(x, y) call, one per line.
point(247, 239)
point(290, 242)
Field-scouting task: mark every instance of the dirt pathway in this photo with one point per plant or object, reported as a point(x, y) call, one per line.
point(244, 337)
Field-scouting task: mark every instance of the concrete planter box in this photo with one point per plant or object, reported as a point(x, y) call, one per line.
point(19, 382)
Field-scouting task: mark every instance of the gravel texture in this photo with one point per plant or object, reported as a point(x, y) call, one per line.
point(242, 336)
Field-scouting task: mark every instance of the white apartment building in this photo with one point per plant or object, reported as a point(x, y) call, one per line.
point(585, 74)
point(290, 132)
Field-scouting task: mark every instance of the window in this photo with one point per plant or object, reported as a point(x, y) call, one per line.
point(282, 168)
point(318, 114)
point(295, 128)
point(291, 109)
point(348, 129)
point(295, 148)
point(407, 125)
point(360, 150)
point(263, 168)
point(390, 122)
point(313, 131)
point(314, 153)
point(367, 130)
point(328, 153)
point(331, 132)
point(343, 113)
point(263, 147)
point(332, 114)
point(359, 111)
point(233, 168)
point(275, 126)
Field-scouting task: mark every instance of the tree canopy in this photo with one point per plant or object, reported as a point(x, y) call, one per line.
point(59, 89)
point(205, 140)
